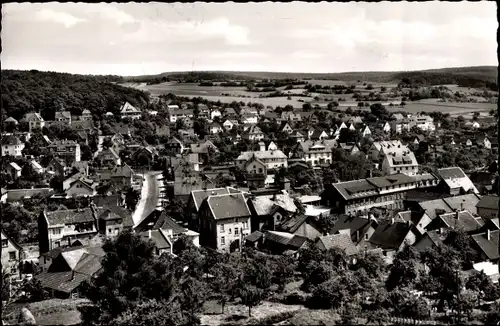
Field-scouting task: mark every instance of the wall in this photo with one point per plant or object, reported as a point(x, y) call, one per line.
point(487, 213)
point(306, 230)
point(79, 189)
point(8, 264)
point(229, 234)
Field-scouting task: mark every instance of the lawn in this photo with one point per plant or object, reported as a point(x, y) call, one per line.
point(52, 311)
point(237, 313)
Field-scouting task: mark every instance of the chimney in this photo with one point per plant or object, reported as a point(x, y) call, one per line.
point(488, 235)
point(73, 275)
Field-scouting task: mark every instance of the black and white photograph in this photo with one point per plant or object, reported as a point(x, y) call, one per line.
point(250, 163)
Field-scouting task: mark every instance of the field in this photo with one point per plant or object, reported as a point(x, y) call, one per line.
point(53, 311)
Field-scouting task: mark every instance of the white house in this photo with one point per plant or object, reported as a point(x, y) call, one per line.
point(180, 114)
point(273, 159)
point(215, 128)
point(34, 120)
point(127, 110)
point(228, 125)
point(423, 122)
point(215, 113)
point(249, 119)
point(365, 132)
point(11, 145)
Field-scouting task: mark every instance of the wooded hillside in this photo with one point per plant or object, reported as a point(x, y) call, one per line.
point(46, 92)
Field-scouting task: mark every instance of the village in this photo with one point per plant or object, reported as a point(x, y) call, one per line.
point(233, 177)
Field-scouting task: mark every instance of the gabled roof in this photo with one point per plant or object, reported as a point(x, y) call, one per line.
point(390, 236)
point(158, 219)
point(488, 247)
point(294, 223)
point(11, 140)
point(254, 236)
point(6, 236)
point(342, 241)
point(228, 206)
point(198, 196)
point(63, 114)
point(69, 216)
point(203, 148)
point(11, 120)
point(454, 177)
point(352, 223)
point(488, 202)
point(465, 221)
point(127, 107)
point(114, 212)
point(33, 116)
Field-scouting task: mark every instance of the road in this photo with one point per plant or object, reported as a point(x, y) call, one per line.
point(150, 195)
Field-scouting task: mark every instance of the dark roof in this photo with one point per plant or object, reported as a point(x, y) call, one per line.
point(199, 196)
point(482, 177)
point(412, 216)
point(106, 201)
point(297, 242)
point(390, 236)
point(10, 140)
point(159, 238)
point(62, 281)
point(489, 202)
point(291, 225)
point(489, 247)
point(88, 264)
point(158, 219)
point(254, 236)
point(70, 216)
point(228, 206)
point(115, 212)
point(453, 172)
point(353, 223)
point(277, 237)
point(465, 221)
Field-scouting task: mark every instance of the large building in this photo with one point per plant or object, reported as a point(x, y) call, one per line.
point(393, 157)
point(11, 145)
point(224, 222)
point(67, 150)
point(364, 194)
point(316, 153)
point(423, 122)
point(273, 159)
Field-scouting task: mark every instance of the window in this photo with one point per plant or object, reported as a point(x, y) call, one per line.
point(245, 225)
point(222, 241)
point(366, 236)
point(236, 231)
point(109, 230)
point(5, 243)
point(12, 255)
point(58, 243)
point(229, 231)
point(222, 228)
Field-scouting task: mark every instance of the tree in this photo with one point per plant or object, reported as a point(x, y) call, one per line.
point(223, 282)
point(284, 268)
point(192, 295)
point(465, 303)
point(153, 312)
point(326, 222)
point(132, 198)
point(250, 296)
point(404, 269)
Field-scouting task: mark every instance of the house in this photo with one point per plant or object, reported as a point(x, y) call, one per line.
point(114, 219)
point(386, 127)
point(62, 228)
point(177, 114)
point(400, 123)
point(34, 120)
point(290, 116)
point(318, 134)
point(108, 157)
point(280, 243)
point(285, 127)
point(349, 148)
point(12, 146)
point(487, 244)
point(230, 113)
point(459, 220)
point(197, 197)
point(69, 269)
point(119, 175)
point(13, 170)
point(268, 211)
point(483, 181)
point(487, 207)
point(340, 241)
point(82, 187)
point(359, 228)
point(249, 119)
point(418, 139)
point(67, 150)
point(175, 146)
point(423, 122)
point(393, 236)
point(63, 116)
point(215, 113)
point(224, 222)
point(205, 150)
point(418, 218)
point(366, 132)
point(86, 115)
point(215, 128)
point(12, 255)
point(255, 166)
point(472, 124)
point(400, 160)
point(301, 225)
point(10, 123)
point(129, 111)
point(298, 136)
point(314, 153)
point(56, 167)
point(253, 133)
point(228, 124)
point(361, 195)
point(273, 159)
point(483, 141)
point(455, 181)
point(144, 156)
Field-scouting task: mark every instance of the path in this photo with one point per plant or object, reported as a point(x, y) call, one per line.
point(150, 194)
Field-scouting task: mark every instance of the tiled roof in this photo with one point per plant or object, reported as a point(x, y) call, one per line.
point(390, 236)
point(11, 119)
point(412, 216)
point(228, 206)
point(489, 247)
point(72, 257)
point(456, 178)
point(33, 116)
point(127, 107)
point(465, 221)
point(159, 238)
point(199, 196)
point(254, 236)
point(353, 223)
point(315, 146)
point(114, 212)
point(291, 225)
point(489, 202)
point(158, 219)
point(63, 114)
point(278, 237)
point(63, 281)
point(342, 241)
point(463, 202)
point(435, 207)
point(203, 148)
point(70, 216)
point(297, 242)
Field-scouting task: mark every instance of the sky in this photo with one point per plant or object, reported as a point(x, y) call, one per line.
point(149, 38)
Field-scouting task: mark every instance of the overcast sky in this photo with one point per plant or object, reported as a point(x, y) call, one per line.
point(150, 38)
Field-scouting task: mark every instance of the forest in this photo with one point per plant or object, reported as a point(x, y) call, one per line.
point(47, 92)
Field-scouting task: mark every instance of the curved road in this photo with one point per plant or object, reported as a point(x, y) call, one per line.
point(150, 195)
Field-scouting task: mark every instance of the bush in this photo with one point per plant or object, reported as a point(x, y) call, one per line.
point(273, 319)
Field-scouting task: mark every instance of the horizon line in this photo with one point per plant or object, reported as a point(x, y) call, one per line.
point(255, 71)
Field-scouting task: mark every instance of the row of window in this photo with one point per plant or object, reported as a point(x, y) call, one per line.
point(223, 239)
point(245, 226)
